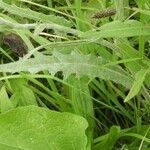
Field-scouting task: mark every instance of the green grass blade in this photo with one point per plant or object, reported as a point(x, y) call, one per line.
point(139, 79)
point(118, 29)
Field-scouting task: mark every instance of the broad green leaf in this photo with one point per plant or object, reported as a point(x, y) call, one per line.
point(5, 103)
point(74, 63)
point(139, 79)
point(35, 128)
point(118, 29)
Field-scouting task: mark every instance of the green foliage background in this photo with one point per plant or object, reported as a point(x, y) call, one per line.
point(95, 72)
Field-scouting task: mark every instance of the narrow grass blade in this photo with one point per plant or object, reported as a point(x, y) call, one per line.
point(118, 29)
point(139, 79)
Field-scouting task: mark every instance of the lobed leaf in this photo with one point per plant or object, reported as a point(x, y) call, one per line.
point(74, 63)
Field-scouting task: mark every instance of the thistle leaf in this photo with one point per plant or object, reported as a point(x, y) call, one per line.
point(74, 63)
